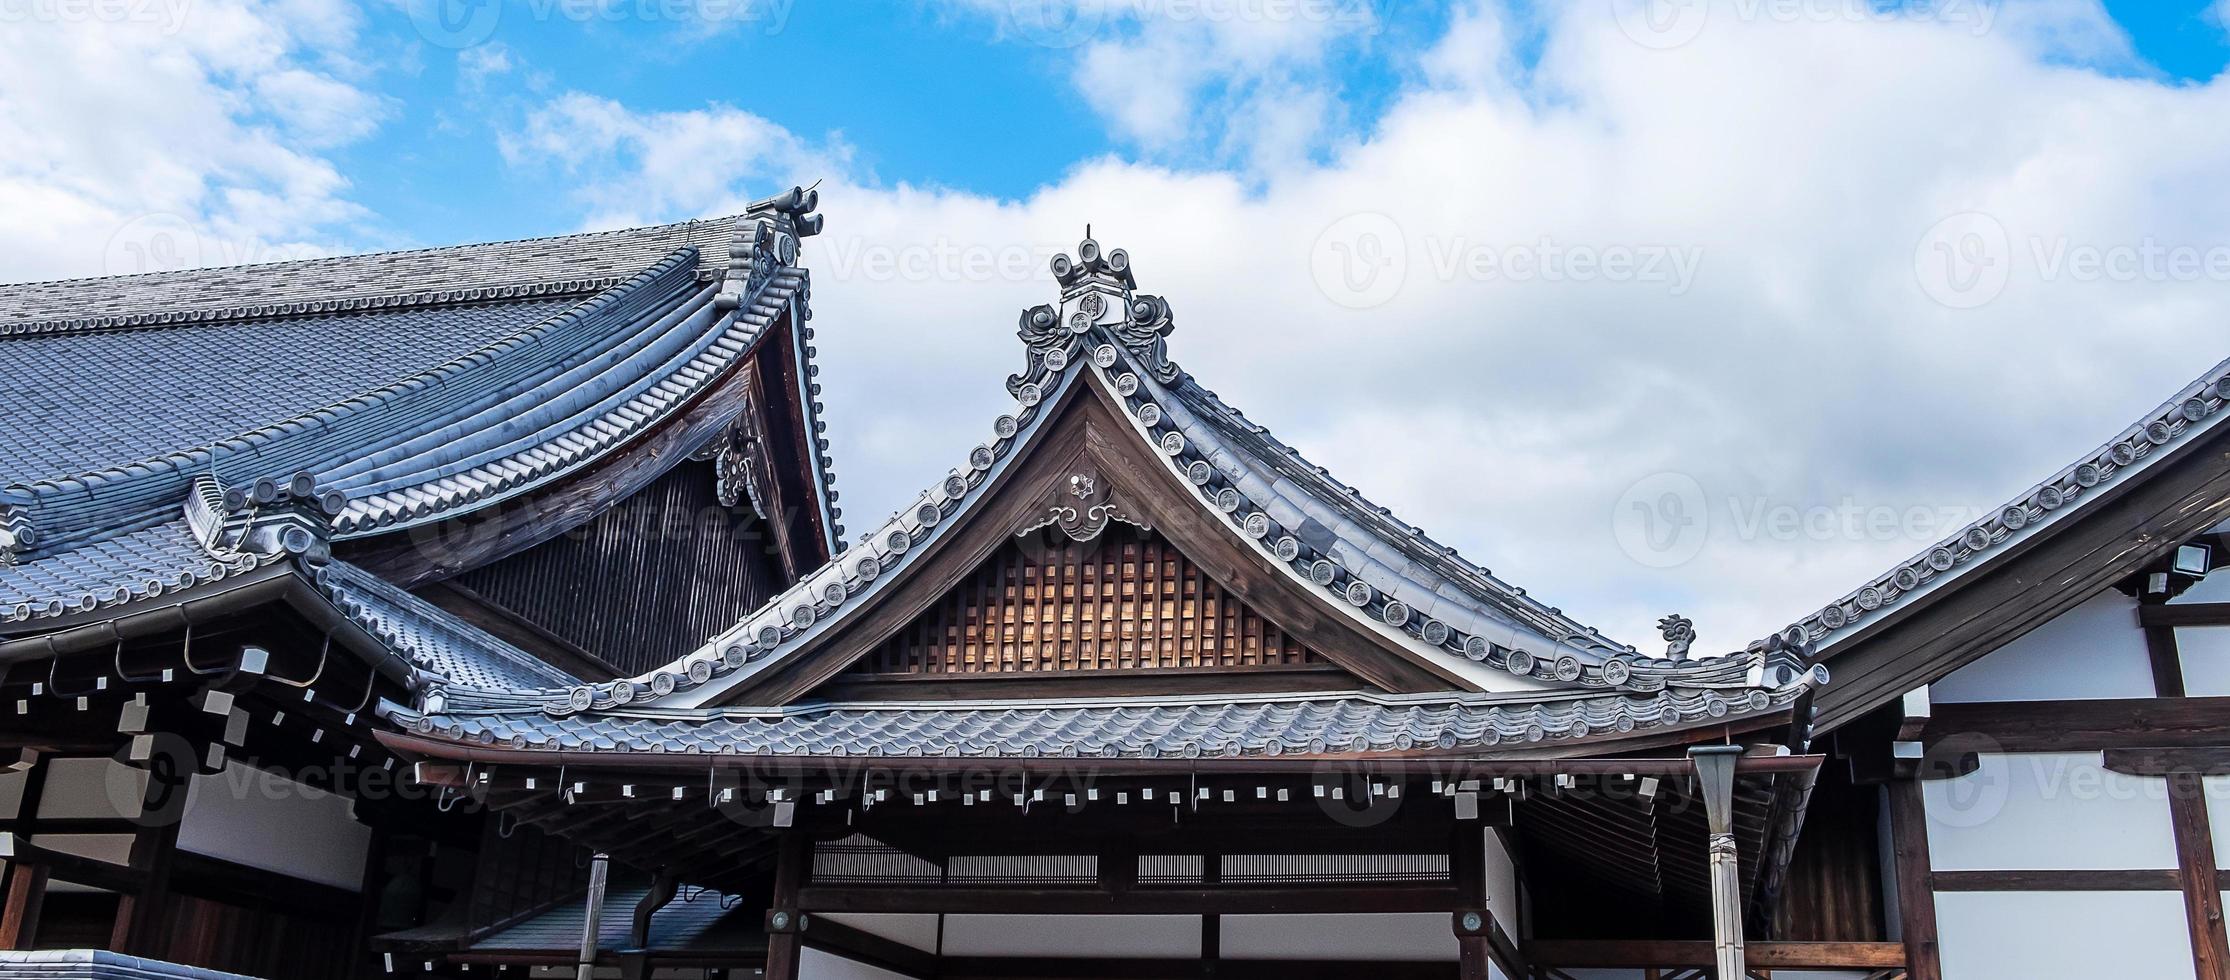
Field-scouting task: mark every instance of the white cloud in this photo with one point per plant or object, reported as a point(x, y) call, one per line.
point(481, 62)
point(1234, 80)
point(645, 165)
point(192, 135)
point(1833, 415)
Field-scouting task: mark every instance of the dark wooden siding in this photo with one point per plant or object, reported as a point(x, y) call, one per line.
point(1126, 600)
point(647, 580)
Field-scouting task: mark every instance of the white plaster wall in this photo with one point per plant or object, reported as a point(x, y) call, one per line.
point(1503, 900)
point(817, 965)
point(1370, 936)
point(918, 930)
point(2213, 588)
point(1130, 936)
point(2205, 655)
point(2094, 650)
point(2063, 935)
point(265, 821)
point(2060, 810)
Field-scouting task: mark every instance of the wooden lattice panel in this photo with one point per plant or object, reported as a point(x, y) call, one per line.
point(1125, 600)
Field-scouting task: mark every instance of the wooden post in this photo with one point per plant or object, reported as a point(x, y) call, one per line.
point(1467, 871)
point(792, 865)
point(2194, 827)
point(1715, 781)
point(19, 920)
point(599, 872)
point(1916, 888)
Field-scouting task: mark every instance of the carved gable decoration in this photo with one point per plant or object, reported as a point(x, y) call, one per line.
point(1081, 507)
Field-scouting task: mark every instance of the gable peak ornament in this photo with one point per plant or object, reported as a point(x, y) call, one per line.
point(1099, 304)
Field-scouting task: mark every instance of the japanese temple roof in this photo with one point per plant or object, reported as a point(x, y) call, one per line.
point(199, 423)
point(1300, 725)
point(431, 639)
point(1359, 561)
point(697, 920)
point(1521, 673)
point(2154, 436)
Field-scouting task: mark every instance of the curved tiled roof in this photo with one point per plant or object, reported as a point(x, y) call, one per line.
point(1439, 608)
point(1211, 727)
point(142, 565)
point(119, 397)
point(498, 420)
point(430, 638)
point(575, 265)
point(2195, 409)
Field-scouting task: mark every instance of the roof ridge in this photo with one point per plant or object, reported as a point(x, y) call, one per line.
point(2198, 405)
point(421, 250)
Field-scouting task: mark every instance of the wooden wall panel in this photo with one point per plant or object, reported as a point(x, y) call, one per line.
point(650, 578)
point(1126, 600)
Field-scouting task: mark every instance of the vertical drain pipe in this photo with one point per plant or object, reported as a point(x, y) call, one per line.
point(599, 869)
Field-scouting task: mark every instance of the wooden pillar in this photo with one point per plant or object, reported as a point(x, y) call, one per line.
point(1715, 781)
point(2194, 828)
point(1916, 888)
point(592, 922)
point(1467, 871)
point(792, 865)
point(19, 919)
point(19, 922)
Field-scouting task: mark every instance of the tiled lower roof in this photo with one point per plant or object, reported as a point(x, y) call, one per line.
point(128, 568)
point(694, 920)
point(1210, 727)
point(429, 637)
point(98, 964)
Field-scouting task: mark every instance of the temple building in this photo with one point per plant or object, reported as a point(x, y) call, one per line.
point(488, 611)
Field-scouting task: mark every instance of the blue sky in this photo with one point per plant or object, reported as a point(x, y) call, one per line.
point(922, 94)
point(1847, 275)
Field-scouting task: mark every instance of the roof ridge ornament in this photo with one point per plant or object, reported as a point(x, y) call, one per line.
point(1098, 296)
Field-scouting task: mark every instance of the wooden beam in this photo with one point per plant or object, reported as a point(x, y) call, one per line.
point(1640, 954)
point(830, 936)
point(2139, 880)
point(2082, 725)
point(2186, 614)
point(1052, 968)
point(1916, 894)
point(1143, 900)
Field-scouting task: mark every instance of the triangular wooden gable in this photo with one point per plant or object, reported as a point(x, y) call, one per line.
point(1119, 608)
point(1087, 446)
